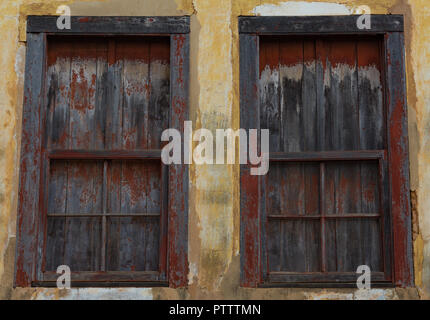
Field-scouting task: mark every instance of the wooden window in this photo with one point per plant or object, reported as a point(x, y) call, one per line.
point(336, 195)
point(94, 194)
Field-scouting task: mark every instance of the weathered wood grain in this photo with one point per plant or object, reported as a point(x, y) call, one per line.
point(111, 25)
point(318, 81)
point(178, 173)
point(249, 191)
point(399, 158)
point(318, 24)
point(30, 161)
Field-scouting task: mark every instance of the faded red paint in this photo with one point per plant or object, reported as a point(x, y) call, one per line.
point(250, 221)
point(179, 58)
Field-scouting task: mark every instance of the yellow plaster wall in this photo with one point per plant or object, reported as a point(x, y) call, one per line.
point(214, 103)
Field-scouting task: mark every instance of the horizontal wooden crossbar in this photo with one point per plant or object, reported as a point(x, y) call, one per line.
point(111, 25)
point(346, 24)
point(104, 155)
point(90, 215)
point(329, 216)
point(328, 155)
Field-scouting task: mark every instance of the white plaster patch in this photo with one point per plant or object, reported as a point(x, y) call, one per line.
point(301, 8)
point(325, 295)
point(375, 294)
point(425, 73)
point(193, 272)
point(98, 294)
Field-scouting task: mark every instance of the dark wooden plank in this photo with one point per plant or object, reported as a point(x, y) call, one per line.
point(341, 198)
point(133, 56)
point(327, 155)
point(269, 92)
point(342, 131)
point(58, 94)
point(111, 25)
point(132, 237)
point(113, 99)
point(270, 118)
point(97, 278)
point(291, 104)
point(178, 174)
point(342, 180)
point(152, 225)
point(76, 85)
point(385, 222)
point(113, 224)
point(99, 155)
point(159, 113)
point(54, 253)
point(298, 126)
point(310, 143)
point(144, 282)
point(99, 130)
point(312, 206)
point(309, 96)
point(83, 95)
point(327, 216)
point(372, 136)
point(133, 242)
point(291, 192)
point(159, 94)
point(399, 159)
point(290, 247)
point(83, 236)
point(322, 277)
point(28, 197)
point(249, 190)
point(318, 24)
point(370, 95)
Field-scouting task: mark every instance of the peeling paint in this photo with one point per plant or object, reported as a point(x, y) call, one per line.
point(301, 8)
point(98, 294)
point(214, 191)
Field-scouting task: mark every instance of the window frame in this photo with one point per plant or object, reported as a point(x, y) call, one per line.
point(32, 169)
point(253, 266)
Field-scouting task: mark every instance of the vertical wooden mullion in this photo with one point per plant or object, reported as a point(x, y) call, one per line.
point(322, 203)
point(384, 219)
point(43, 218)
point(163, 265)
point(104, 208)
point(264, 272)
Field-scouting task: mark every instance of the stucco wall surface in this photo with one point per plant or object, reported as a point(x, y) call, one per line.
point(214, 103)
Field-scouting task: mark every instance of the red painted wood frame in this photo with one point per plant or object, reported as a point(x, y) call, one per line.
point(390, 27)
point(32, 164)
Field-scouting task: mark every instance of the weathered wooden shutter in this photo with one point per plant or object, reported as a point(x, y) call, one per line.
point(325, 195)
point(93, 193)
point(107, 104)
point(334, 97)
point(105, 213)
